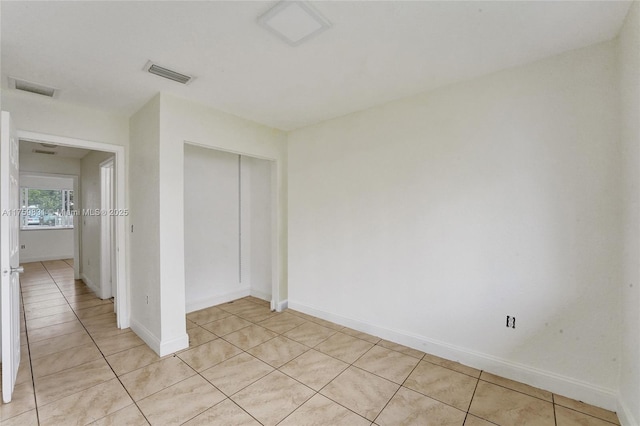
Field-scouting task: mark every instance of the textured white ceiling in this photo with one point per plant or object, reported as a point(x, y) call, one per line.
point(375, 52)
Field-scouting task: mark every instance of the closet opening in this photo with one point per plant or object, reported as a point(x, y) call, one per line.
point(229, 227)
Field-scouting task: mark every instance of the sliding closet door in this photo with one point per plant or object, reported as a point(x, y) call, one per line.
point(257, 202)
point(211, 226)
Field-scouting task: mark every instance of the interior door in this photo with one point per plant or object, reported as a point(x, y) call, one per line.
point(9, 255)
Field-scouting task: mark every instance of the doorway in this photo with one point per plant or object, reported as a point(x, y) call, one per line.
point(228, 227)
point(117, 252)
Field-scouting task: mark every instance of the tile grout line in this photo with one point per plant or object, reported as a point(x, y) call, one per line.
point(25, 326)
point(278, 334)
point(229, 397)
point(26, 333)
point(473, 395)
point(348, 364)
point(315, 392)
point(278, 368)
point(99, 350)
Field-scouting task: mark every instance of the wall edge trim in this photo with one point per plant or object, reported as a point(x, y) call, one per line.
point(143, 332)
point(85, 279)
point(624, 413)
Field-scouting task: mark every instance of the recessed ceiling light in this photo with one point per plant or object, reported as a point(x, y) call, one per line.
point(31, 87)
point(294, 21)
point(167, 73)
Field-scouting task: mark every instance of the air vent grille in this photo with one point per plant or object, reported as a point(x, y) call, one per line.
point(42, 151)
point(167, 73)
point(28, 86)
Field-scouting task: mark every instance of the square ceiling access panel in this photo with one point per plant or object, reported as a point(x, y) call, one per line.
point(294, 21)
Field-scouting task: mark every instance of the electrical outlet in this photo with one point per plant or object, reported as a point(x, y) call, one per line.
point(23, 246)
point(147, 299)
point(511, 322)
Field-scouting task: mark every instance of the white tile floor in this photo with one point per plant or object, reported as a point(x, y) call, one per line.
point(247, 366)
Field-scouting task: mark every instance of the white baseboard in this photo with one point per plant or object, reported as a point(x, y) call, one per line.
point(196, 305)
point(174, 345)
point(281, 306)
point(27, 259)
point(85, 279)
point(143, 332)
point(624, 414)
point(162, 348)
point(562, 385)
point(260, 294)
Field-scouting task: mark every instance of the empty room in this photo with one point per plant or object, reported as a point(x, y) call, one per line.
point(320, 213)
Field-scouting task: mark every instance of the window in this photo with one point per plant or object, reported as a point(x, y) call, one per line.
point(46, 208)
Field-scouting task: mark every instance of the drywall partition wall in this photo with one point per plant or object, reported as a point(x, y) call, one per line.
point(629, 74)
point(39, 118)
point(46, 244)
point(51, 116)
point(90, 200)
point(42, 163)
point(144, 186)
point(211, 228)
point(429, 220)
point(159, 131)
point(184, 121)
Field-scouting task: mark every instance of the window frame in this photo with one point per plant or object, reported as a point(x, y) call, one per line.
point(66, 212)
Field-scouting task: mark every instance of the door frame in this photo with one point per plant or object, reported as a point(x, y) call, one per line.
point(123, 310)
point(107, 249)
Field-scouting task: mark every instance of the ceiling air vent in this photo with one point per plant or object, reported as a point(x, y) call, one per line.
point(28, 86)
point(167, 73)
point(42, 151)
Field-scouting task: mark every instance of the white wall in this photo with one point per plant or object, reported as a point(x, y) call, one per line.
point(211, 228)
point(91, 225)
point(37, 113)
point(429, 220)
point(194, 123)
point(46, 244)
point(629, 68)
point(34, 113)
point(42, 163)
point(144, 181)
point(184, 121)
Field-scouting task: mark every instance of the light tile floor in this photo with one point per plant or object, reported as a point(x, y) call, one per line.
point(247, 365)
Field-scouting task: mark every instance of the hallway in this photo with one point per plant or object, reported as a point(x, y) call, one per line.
point(247, 365)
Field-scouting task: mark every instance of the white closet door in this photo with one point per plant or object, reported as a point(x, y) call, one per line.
point(259, 211)
point(212, 246)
